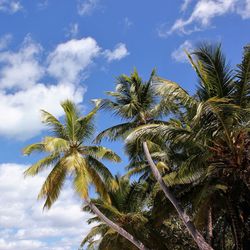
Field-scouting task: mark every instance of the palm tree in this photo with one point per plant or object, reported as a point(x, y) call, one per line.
point(125, 209)
point(213, 140)
point(131, 207)
point(137, 102)
point(69, 156)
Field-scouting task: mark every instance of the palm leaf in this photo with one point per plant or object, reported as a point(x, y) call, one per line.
point(36, 147)
point(100, 152)
point(55, 125)
point(242, 92)
point(53, 184)
point(215, 75)
point(172, 92)
point(41, 164)
point(115, 132)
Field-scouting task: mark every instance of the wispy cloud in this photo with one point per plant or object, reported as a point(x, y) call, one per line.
point(42, 4)
point(86, 7)
point(5, 40)
point(185, 5)
point(73, 30)
point(179, 54)
point(120, 51)
point(10, 6)
point(203, 13)
point(127, 23)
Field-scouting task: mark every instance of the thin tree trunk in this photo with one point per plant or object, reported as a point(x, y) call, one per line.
point(115, 227)
point(198, 238)
point(210, 226)
point(234, 224)
point(223, 241)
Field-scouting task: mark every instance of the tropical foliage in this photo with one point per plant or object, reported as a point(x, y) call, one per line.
point(189, 159)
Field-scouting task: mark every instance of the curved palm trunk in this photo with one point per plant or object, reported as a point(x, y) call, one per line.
point(198, 238)
point(115, 227)
point(210, 226)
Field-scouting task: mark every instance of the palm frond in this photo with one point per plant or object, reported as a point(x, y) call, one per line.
point(99, 184)
point(85, 124)
point(53, 184)
point(98, 230)
point(54, 144)
point(81, 183)
point(35, 147)
point(71, 116)
point(115, 132)
point(215, 75)
point(100, 152)
point(242, 91)
point(41, 164)
point(103, 171)
point(54, 124)
point(172, 92)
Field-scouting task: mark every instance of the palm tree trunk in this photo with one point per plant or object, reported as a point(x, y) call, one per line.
point(114, 226)
point(198, 238)
point(210, 226)
point(236, 230)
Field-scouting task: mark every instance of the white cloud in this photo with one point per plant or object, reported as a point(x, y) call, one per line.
point(26, 84)
point(203, 12)
point(70, 59)
point(86, 7)
point(120, 51)
point(21, 69)
point(23, 224)
point(20, 112)
point(179, 54)
point(5, 40)
point(10, 6)
point(185, 5)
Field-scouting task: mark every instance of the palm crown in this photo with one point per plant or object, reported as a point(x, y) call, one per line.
point(66, 154)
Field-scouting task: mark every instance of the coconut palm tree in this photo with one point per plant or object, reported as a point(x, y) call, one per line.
point(126, 209)
point(212, 134)
point(131, 207)
point(138, 103)
point(68, 155)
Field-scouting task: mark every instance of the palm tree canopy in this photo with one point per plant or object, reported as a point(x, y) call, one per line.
point(134, 101)
point(67, 154)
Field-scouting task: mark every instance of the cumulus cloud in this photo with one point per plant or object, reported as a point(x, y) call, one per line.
point(23, 93)
point(120, 51)
point(10, 6)
point(21, 69)
point(202, 14)
point(24, 225)
point(179, 54)
point(31, 81)
point(70, 59)
point(86, 7)
point(20, 112)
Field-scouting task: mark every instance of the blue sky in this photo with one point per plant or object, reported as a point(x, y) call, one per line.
point(53, 50)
